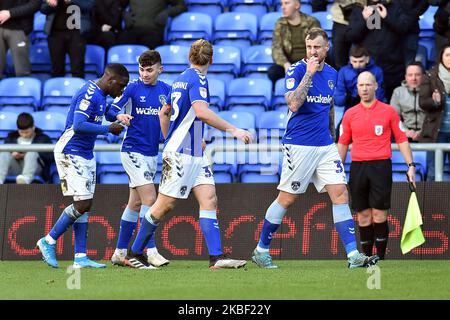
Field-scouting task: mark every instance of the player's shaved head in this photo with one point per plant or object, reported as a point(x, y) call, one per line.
point(367, 76)
point(114, 79)
point(117, 70)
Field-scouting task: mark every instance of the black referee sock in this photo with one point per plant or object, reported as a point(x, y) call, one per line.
point(381, 231)
point(366, 235)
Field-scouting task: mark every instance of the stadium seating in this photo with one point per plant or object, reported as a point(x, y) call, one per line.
point(7, 123)
point(188, 27)
point(226, 63)
point(217, 93)
point(250, 91)
point(94, 61)
point(128, 55)
point(110, 169)
point(211, 7)
point(272, 124)
point(325, 20)
point(256, 110)
point(238, 29)
point(52, 123)
point(257, 60)
point(174, 58)
point(255, 177)
point(38, 34)
point(168, 78)
point(278, 95)
point(24, 91)
point(244, 120)
point(59, 91)
point(266, 27)
point(256, 7)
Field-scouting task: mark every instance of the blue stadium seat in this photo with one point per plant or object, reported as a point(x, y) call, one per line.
point(428, 43)
point(426, 24)
point(253, 177)
point(226, 61)
point(127, 55)
point(243, 120)
point(38, 34)
point(213, 8)
point(257, 59)
point(7, 123)
point(17, 109)
point(25, 91)
point(188, 27)
point(272, 124)
point(399, 167)
point(250, 91)
point(58, 109)
point(278, 96)
point(422, 55)
point(168, 78)
point(306, 8)
point(256, 7)
point(52, 123)
point(236, 28)
point(222, 177)
point(174, 58)
point(110, 169)
point(256, 110)
point(266, 27)
point(113, 178)
point(59, 91)
point(338, 114)
point(217, 93)
point(325, 20)
point(94, 60)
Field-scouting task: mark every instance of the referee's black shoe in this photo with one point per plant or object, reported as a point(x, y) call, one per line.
point(138, 261)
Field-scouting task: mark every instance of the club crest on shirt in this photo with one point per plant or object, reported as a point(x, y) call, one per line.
point(331, 84)
point(295, 185)
point(162, 99)
point(203, 92)
point(379, 130)
point(290, 83)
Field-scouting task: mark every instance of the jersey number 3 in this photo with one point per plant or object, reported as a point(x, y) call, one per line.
point(176, 109)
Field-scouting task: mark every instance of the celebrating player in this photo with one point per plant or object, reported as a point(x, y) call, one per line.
point(143, 98)
point(309, 151)
point(76, 164)
point(185, 168)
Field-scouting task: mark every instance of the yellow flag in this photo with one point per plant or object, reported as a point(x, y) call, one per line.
point(412, 233)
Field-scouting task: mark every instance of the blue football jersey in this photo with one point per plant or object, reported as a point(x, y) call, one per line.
point(309, 126)
point(89, 101)
point(186, 130)
point(143, 102)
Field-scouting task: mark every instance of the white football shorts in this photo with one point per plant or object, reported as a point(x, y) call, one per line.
point(140, 169)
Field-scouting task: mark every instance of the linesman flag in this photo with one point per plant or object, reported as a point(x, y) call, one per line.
point(412, 233)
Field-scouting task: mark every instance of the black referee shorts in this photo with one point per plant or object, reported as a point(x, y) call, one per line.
point(370, 184)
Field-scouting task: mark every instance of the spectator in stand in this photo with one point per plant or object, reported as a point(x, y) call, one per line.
point(66, 25)
point(146, 19)
point(434, 99)
point(106, 23)
point(346, 93)
point(405, 100)
point(441, 24)
point(340, 12)
point(25, 165)
point(288, 41)
point(381, 27)
point(16, 22)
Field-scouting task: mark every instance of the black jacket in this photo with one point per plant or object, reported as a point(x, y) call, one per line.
point(384, 42)
point(22, 14)
point(45, 158)
point(107, 12)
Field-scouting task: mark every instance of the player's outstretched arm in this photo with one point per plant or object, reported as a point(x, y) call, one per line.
point(209, 117)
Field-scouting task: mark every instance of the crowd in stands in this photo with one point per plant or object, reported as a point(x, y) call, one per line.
point(402, 42)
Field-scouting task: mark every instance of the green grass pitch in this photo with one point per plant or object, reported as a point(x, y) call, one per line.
point(295, 279)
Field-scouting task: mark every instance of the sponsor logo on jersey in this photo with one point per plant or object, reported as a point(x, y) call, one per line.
point(149, 111)
point(84, 105)
point(203, 92)
point(98, 118)
point(319, 99)
point(379, 130)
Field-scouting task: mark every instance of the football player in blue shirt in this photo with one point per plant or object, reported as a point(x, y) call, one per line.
point(310, 154)
point(143, 98)
point(185, 167)
point(76, 164)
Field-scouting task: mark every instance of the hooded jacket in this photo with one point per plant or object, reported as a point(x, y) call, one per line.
point(346, 89)
point(406, 102)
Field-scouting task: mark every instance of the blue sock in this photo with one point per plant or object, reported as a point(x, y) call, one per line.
point(128, 223)
point(151, 242)
point(146, 230)
point(345, 226)
point(80, 228)
point(272, 221)
point(211, 232)
point(64, 222)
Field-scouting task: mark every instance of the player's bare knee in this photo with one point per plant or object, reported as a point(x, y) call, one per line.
point(83, 206)
point(135, 205)
point(340, 195)
point(364, 218)
point(286, 200)
point(379, 216)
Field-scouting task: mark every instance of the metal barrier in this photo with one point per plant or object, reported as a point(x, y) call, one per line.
point(211, 149)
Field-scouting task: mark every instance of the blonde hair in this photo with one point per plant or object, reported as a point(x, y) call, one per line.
point(201, 52)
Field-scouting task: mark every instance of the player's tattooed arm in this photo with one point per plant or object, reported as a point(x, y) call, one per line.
point(296, 98)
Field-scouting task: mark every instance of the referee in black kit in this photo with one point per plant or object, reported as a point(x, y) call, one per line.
point(368, 127)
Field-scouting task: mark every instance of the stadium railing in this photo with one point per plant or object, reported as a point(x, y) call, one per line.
point(211, 149)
